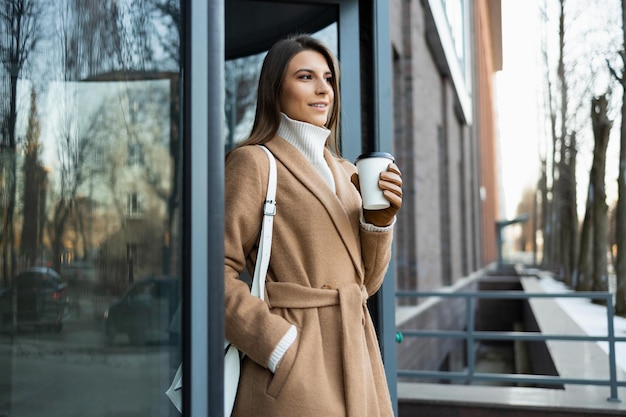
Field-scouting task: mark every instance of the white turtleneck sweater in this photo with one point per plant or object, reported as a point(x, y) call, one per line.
point(310, 140)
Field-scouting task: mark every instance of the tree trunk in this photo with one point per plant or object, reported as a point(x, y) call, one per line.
point(583, 280)
point(620, 229)
point(543, 186)
point(601, 129)
point(566, 231)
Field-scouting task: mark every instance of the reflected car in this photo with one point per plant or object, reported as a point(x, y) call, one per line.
point(42, 300)
point(144, 313)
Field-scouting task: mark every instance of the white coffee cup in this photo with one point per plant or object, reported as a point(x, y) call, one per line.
point(369, 167)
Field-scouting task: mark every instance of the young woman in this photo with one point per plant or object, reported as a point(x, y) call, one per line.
point(310, 347)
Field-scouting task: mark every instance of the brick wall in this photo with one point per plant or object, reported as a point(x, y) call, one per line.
point(444, 231)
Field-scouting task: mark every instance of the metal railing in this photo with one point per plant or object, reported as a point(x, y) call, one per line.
point(471, 336)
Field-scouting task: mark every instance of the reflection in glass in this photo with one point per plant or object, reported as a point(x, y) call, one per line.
point(90, 230)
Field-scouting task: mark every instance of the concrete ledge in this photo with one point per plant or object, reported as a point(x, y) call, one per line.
point(428, 400)
point(571, 359)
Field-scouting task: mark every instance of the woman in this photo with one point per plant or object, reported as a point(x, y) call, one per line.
point(310, 347)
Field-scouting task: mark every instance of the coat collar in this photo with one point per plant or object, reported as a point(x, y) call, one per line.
point(335, 204)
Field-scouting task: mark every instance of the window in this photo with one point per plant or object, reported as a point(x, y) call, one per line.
point(133, 206)
point(102, 79)
point(134, 153)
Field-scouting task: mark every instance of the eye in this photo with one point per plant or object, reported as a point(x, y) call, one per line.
point(329, 79)
point(305, 77)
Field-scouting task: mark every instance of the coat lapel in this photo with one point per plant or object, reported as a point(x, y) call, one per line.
point(335, 204)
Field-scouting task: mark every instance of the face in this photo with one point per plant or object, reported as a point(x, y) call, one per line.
point(307, 93)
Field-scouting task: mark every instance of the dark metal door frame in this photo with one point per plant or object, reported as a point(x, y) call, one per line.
point(203, 93)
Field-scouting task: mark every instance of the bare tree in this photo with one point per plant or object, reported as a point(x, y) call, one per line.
point(620, 262)
point(560, 229)
point(572, 78)
point(594, 246)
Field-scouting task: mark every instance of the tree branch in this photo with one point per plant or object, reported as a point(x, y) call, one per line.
point(613, 72)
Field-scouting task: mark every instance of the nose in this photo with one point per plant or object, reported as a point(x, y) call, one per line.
point(323, 87)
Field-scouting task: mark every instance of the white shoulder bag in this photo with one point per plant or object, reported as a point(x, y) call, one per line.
point(232, 358)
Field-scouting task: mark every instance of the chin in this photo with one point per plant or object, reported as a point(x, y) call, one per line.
point(319, 123)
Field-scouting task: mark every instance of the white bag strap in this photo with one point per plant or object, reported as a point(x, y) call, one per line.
point(265, 242)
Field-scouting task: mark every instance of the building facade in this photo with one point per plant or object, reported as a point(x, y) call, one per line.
point(445, 54)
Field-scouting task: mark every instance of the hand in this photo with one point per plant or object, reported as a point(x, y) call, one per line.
point(390, 183)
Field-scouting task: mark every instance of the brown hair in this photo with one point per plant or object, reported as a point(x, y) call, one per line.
point(267, 116)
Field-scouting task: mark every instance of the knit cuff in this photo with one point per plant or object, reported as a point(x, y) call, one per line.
point(369, 227)
point(281, 349)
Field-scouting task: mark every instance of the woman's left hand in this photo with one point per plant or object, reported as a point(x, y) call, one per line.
point(390, 183)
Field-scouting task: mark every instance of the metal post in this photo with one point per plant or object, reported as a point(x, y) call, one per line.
point(470, 335)
point(383, 137)
point(611, 340)
point(203, 321)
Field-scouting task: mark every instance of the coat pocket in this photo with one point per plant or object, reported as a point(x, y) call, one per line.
point(284, 369)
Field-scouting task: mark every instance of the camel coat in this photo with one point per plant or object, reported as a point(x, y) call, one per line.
point(323, 267)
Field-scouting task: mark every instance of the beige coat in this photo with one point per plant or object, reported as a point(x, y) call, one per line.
point(323, 268)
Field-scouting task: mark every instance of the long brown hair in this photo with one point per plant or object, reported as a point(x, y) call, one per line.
point(267, 116)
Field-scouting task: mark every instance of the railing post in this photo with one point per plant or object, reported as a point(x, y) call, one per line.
point(611, 340)
point(470, 336)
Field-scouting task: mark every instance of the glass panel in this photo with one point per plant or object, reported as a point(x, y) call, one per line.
point(90, 216)
point(242, 77)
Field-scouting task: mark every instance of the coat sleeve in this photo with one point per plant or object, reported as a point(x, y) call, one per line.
point(375, 246)
point(249, 325)
point(376, 252)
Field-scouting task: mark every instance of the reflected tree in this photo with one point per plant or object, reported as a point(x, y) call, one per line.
point(242, 76)
point(89, 37)
point(117, 42)
point(168, 13)
point(19, 25)
point(89, 43)
point(74, 143)
point(161, 21)
point(34, 190)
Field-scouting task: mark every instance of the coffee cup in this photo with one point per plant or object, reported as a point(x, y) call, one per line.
point(369, 166)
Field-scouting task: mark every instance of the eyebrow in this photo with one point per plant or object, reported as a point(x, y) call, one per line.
point(311, 71)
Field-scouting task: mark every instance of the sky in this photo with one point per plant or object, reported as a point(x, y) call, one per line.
point(520, 96)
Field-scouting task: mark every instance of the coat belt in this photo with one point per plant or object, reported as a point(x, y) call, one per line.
point(351, 300)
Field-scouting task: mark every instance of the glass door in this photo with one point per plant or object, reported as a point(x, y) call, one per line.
point(90, 207)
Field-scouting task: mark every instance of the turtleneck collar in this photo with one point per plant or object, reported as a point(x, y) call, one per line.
point(307, 138)
point(310, 140)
